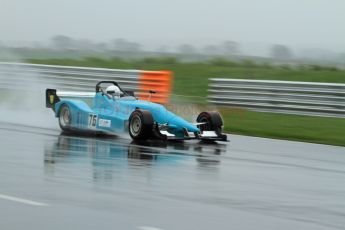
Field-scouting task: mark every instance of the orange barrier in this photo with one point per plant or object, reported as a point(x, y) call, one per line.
point(158, 81)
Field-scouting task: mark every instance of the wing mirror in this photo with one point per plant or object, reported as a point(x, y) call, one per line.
point(150, 94)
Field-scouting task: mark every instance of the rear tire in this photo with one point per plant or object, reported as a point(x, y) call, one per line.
point(140, 124)
point(65, 118)
point(213, 122)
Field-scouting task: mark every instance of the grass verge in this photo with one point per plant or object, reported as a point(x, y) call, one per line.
point(290, 127)
point(191, 79)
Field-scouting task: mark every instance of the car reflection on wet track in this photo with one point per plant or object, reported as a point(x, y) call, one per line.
point(107, 151)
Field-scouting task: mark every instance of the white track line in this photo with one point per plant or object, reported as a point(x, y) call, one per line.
point(149, 228)
point(20, 200)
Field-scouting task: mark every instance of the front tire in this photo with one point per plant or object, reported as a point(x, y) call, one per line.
point(213, 122)
point(140, 124)
point(65, 118)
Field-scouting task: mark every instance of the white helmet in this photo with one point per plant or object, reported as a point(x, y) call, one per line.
point(114, 91)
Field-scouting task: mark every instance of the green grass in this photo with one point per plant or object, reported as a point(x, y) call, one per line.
point(291, 127)
point(191, 79)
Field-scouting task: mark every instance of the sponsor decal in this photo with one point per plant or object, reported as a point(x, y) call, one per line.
point(104, 123)
point(51, 99)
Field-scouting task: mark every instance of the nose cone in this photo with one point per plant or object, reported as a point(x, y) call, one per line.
point(180, 123)
point(163, 116)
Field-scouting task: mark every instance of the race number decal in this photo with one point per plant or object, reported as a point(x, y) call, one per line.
point(92, 121)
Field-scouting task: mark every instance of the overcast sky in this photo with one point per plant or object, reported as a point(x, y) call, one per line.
point(297, 23)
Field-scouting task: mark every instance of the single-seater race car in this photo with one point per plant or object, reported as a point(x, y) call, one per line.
point(115, 110)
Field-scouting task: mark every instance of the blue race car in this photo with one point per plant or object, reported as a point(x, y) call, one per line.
point(115, 110)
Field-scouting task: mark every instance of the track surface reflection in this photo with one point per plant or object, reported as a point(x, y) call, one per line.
point(48, 178)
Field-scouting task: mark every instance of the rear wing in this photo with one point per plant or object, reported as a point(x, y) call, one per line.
point(53, 96)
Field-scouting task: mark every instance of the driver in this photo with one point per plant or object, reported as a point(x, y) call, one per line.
point(113, 91)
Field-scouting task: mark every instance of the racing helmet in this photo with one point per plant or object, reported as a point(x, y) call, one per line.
point(114, 91)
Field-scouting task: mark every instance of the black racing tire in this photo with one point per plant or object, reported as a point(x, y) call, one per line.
point(65, 118)
point(140, 124)
point(213, 120)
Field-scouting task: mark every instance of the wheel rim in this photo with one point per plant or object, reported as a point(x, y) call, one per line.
point(135, 125)
point(65, 117)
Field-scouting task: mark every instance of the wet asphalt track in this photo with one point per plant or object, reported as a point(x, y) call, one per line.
point(53, 181)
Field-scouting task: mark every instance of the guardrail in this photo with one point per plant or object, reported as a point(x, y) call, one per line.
point(301, 98)
point(23, 76)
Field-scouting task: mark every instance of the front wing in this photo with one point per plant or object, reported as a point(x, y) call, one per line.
point(205, 135)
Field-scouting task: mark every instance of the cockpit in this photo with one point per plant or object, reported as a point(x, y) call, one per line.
point(112, 90)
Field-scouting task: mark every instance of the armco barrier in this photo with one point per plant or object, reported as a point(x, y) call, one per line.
point(302, 98)
point(70, 78)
